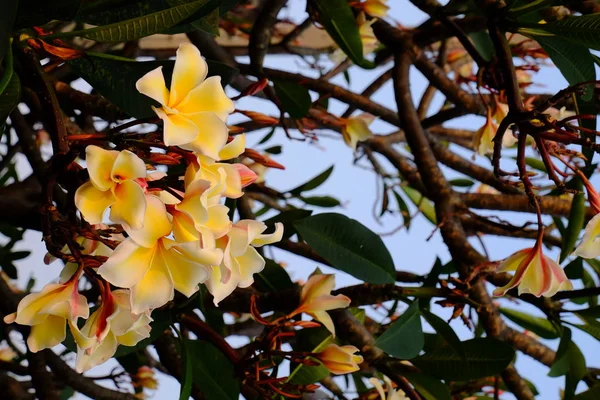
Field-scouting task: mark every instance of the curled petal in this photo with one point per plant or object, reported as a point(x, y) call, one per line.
point(129, 206)
point(208, 96)
point(137, 260)
point(211, 136)
point(248, 264)
point(324, 318)
point(177, 130)
point(234, 148)
point(100, 163)
point(274, 237)
point(219, 285)
point(153, 85)
point(47, 334)
point(92, 202)
point(127, 166)
point(186, 274)
point(156, 223)
point(190, 71)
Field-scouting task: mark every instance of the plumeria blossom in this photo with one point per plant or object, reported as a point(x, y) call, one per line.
point(237, 176)
point(111, 325)
point(145, 378)
point(316, 300)
point(153, 266)
point(375, 8)
point(392, 394)
point(195, 108)
point(356, 129)
point(535, 273)
point(48, 311)
point(116, 179)
point(340, 359)
point(240, 258)
point(590, 244)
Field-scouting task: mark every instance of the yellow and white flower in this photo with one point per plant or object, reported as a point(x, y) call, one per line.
point(356, 129)
point(340, 359)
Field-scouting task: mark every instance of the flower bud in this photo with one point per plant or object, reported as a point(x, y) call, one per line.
point(340, 359)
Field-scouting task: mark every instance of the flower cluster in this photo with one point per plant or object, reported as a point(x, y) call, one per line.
point(178, 233)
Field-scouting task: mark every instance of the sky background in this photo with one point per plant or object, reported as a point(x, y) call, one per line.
point(415, 250)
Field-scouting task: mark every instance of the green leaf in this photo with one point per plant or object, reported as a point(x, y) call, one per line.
point(485, 357)
point(404, 339)
point(428, 387)
point(10, 97)
point(461, 182)
point(208, 21)
point(580, 30)
point(321, 201)
point(483, 43)
point(348, 246)
point(576, 222)
point(273, 278)
point(294, 98)
point(569, 359)
point(314, 341)
point(287, 218)
point(313, 183)
point(7, 20)
point(39, 12)
point(337, 18)
point(444, 330)
point(404, 211)
point(213, 372)
point(424, 205)
point(136, 28)
point(186, 384)
point(273, 150)
point(540, 326)
point(9, 269)
point(573, 60)
point(592, 393)
point(115, 79)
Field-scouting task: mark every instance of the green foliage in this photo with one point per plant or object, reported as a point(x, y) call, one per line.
point(349, 246)
point(39, 12)
point(424, 205)
point(428, 387)
point(212, 371)
point(404, 338)
point(337, 18)
point(10, 97)
point(312, 183)
point(294, 98)
point(540, 326)
point(287, 218)
point(273, 278)
point(313, 340)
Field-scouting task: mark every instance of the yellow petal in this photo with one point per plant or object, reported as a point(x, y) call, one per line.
point(129, 206)
point(184, 229)
point(536, 279)
point(317, 285)
point(324, 318)
point(177, 129)
point(127, 166)
point(128, 264)
point(99, 355)
point(47, 334)
point(218, 285)
point(212, 134)
point(190, 71)
point(234, 148)
point(218, 220)
point(92, 202)
point(208, 96)
point(186, 274)
point(248, 264)
point(156, 223)
point(99, 164)
point(274, 237)
point(153, 85)
point(590, 244)
point(155, 289)
point(356, 130)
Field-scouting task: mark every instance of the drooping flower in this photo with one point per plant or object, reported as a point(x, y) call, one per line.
point(111, 325)
point(195, 108)
point(392, 394)
point(483, 139)
point(240, 258)
point(340, 359)
point(153, 266)
point(356, 129)
point(316, 300)
point(535, 273)
point(48, 311)
point(114, 182)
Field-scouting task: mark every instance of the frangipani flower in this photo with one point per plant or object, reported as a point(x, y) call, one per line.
point(48, 311)
point(195, 108)
point(483, 139)
point(237, 176)
point(240, 259)
point(153, 266)
point(535, 273)
point(356, 129)
point(144, 378)
point(367, 37)
point(316, 300)
point(590, 244)
point(375, 8)
point(114, 182)
point(392, 394)
point(111, 325)
point(7, 354)
point(340, 359)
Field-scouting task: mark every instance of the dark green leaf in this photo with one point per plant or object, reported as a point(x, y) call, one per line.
point(9, 269)
point(424, 205)
point(7, 20)
point(18, 255)
point(206, 19)
point(337, 18)
point(39, 12)
point(576, 222)
point(267, 136)
point(579, 30)
point(66, 393)
point(404, 338)
point(573, 60)
point(445, 331)
point(485, 357)
point(287, 218)
point(295, 98)
point(10, 97)
point(273, 150)
point(213, 372)
point(321, 201)
point(574, 269)
point(115, 79)
point(188, 373)
point(313, 183)
point(348, 246)
point(314, 341)
point(569, 359)
point(484, 44)
point(461, 182)
point(429, 388)
point(273, 278)
point(540, 326)
point(404, 211)
point(592, 393)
